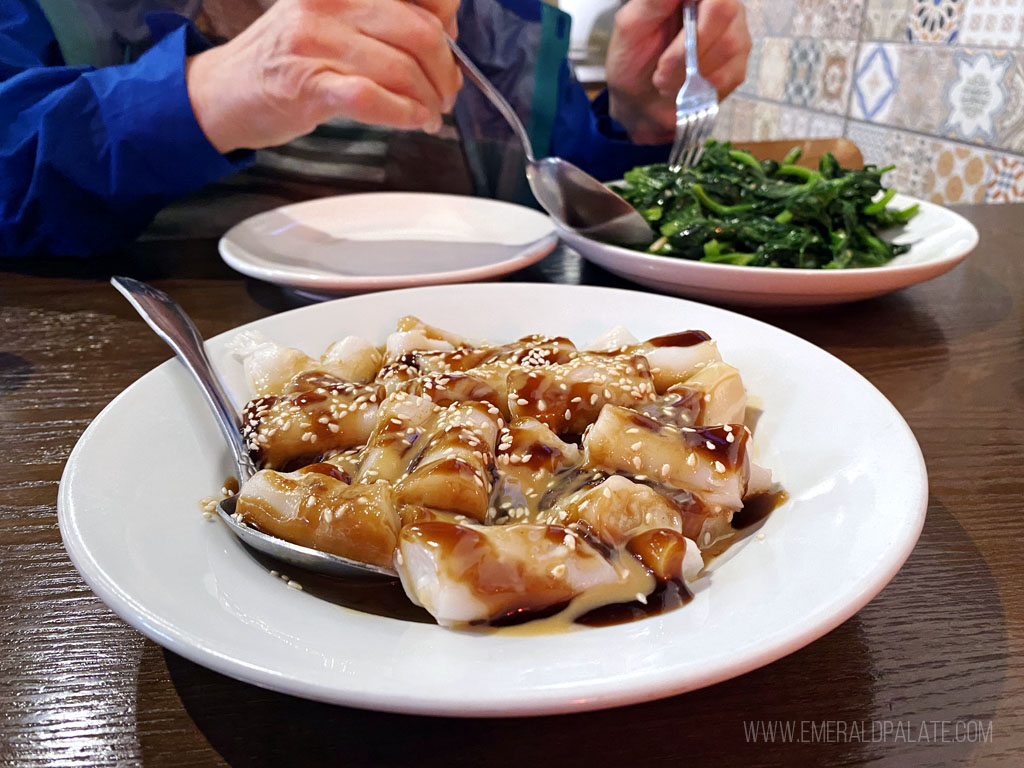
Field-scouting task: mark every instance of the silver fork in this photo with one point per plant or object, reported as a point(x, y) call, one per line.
point(696, 102)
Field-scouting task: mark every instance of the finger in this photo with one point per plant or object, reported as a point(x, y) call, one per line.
point(715, 48)
point(418, 33)
point(359, 98)
point(721, 28)
point(392, 68)
point(445, 10)
point(671, 67)
point(728, 77)
point(643, 17)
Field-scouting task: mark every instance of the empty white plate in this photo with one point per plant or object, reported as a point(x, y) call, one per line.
point(940, 240)
point(130, 519)
point(381, 240)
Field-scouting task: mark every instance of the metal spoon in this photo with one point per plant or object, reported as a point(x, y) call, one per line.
point(574, 198)
point(168, 319)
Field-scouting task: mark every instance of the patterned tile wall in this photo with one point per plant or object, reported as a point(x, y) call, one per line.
point(935, 87)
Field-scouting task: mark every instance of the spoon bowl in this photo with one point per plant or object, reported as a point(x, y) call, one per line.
point(165, 316)
point(570, 195)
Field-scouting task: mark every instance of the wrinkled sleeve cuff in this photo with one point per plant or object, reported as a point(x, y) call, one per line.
point(612, 142)
point(150, 118)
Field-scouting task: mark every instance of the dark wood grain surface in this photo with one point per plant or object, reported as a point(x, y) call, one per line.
point(941, 646)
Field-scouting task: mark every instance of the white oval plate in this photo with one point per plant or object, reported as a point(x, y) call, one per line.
point(130, 521)
point(381, 240)
point(941, 239)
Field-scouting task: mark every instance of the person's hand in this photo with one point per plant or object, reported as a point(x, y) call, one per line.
point(646, 63)
point(304, 62)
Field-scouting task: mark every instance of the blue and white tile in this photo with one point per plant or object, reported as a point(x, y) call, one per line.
point(875, 82)
point(934, 21)
point(976, 95)
point(1006, 180)
point(872, 140)
point(1010, 123)
point(804, 71)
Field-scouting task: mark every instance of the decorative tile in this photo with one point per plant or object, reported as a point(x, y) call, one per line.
point(871, 140)
point(766, 122)
point(976, 96)
point(875, 82)
point(749, 86)
point(803, 71)
point(1006, 180)
point(916, 105)
point(836, 76)
point(723, 125)
point(934, 21)
point(755, 18)
point(886, 20)
point(992, 23)
point(742, 128)
point(960, 174)
point(778, 17)
point(913, 155)
point(774, 68)
point(836, 19)
point(1010, 123)
point(805, 123)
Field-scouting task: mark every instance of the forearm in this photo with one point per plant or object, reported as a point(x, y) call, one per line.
point(87, 157)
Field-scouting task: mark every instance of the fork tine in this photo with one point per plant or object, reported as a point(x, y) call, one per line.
point(681, 144)
point(694, 143)
point(707, 123)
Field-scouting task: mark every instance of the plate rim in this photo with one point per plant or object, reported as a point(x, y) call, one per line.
point(542, 702)
point(776, 280)
point(530, 253)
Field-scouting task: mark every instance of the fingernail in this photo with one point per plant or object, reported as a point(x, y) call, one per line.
point(433, 125)
point(448, 103)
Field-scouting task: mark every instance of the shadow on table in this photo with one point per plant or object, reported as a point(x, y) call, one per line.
point(885, 665)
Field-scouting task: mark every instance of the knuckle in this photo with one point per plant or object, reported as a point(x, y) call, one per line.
point(728, 47)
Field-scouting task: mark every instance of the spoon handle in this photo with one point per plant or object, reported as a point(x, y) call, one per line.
point(493, 95)
point(164, 315)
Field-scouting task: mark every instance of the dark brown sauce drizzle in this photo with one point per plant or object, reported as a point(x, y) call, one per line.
point(522, 615)
point(683, 339)
point(757, 508)
point(667, 596)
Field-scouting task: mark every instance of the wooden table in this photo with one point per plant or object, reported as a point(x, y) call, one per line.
point(941, 645)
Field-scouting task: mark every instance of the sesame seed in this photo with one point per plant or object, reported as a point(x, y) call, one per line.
point(641, 597)
point(710, 445)
point(295, 585)
point(522, 401)
point(636, 446)
point(729, 438)
point(636, 462)
point(692, 460)
point(719, 466)
point(665, 469)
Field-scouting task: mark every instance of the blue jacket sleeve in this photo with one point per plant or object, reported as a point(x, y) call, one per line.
point(88, 156)
point(586, 135)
